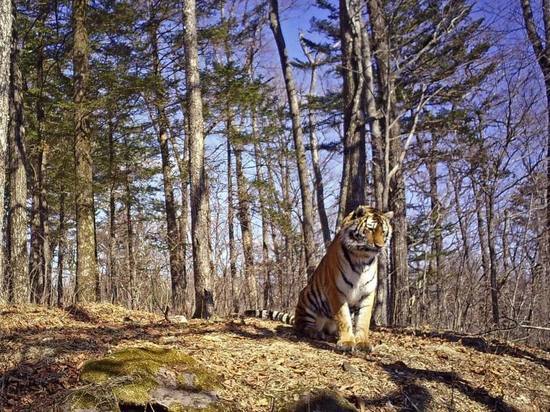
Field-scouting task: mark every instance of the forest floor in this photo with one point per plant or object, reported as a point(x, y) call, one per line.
point(262, 364)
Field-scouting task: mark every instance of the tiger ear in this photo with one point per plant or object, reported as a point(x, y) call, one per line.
point(389, 215)
point(360, 211)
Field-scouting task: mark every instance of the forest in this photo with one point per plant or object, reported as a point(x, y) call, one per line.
point(197, 157)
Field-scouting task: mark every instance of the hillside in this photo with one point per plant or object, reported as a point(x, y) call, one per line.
point(262, 366)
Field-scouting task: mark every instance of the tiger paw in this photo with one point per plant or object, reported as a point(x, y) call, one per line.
point(363, 346)
point(346, 344)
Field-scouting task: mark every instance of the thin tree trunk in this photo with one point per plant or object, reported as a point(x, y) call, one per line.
point(112, 216)
point(87, 275)
point(61, 250)
point(352, 192)
point(16, 242)
point(6, 19)
point(266, 268)
point(489, 211)
point(172, 234)
point(307, 213)
point(231, 230)
point(131, 258)
point(319, 187)
point(204, 298)
point(482, 233)
point(243, 198)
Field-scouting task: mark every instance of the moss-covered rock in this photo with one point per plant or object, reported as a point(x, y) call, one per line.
point(148, 377)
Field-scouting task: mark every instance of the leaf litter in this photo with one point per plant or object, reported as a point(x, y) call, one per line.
point(263, 366)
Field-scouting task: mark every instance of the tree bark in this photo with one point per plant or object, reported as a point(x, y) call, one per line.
point(130, 255)
point(112, 216)
point(87, 275)
point(266, 268)
point(243, 198)
point(16, 242)
point(6, 19)
point(314, 143)
point(541, 47)
point(61, 250)
point(353, 183)
point(172, 234)
point(204, 298)
point(307, 213)
point(231, 230)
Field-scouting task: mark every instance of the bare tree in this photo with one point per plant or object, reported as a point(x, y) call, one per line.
point(204, 299)
point(541, 47)
point(6, 20)
point(303, 173)
point(16, 242)
point(87, 275)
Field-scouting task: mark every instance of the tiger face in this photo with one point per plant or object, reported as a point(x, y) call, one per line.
point(366, 230)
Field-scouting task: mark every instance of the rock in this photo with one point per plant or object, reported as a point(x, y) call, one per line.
point(348, 367)
point(145, 376)
point(321, 401)
point(179, 319)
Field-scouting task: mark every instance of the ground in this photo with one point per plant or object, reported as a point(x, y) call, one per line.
point(262, 365)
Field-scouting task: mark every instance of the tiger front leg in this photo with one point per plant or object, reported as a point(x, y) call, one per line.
point(346, 339)
point(362, 327)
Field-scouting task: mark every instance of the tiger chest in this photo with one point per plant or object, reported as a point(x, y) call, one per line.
point(358, 284)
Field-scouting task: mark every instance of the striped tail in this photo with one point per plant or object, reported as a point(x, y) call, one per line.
point(270, 314)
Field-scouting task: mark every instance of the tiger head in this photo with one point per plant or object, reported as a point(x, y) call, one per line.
point(366, 230)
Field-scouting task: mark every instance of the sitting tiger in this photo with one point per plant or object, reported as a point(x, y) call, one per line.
point(344, 282)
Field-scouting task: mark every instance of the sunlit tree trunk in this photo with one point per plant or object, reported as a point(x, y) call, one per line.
point(6, 19)
point(61, 250)
point(231, 231)
point(314, 143)
point(541, 47)
point(87, 275)
point(303, 174)
point(353, 183)
point(16, 242)
point(204, 298)
point(112, 216)
point(172, 234)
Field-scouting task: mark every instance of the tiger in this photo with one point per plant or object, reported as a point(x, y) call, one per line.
point(344, 283)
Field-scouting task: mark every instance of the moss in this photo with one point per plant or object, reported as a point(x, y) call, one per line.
point(131, 374)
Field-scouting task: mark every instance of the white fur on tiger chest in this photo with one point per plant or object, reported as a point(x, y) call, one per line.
point(357, 284)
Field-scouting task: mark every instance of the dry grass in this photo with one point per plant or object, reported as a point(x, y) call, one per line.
point(262, 365)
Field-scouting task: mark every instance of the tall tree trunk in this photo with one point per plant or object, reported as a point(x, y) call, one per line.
point(61, 250)
point(378, 169)
point(319, 187)
point(493, 284)
point(541, 47)
point(266, 267)
point(393, 188)
point(131, 258)
point(204, 298)
point(435, 220)
point(40, 248)
point(172, 234)
point(231, 230)
point(113, 277)
point(6, 19)
point(87, 275)
point(353, 184)
point(243, 197)
point(482, 232)
point(46, 260)
point(307, 213)
point(16, 243)
point(183, 221)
